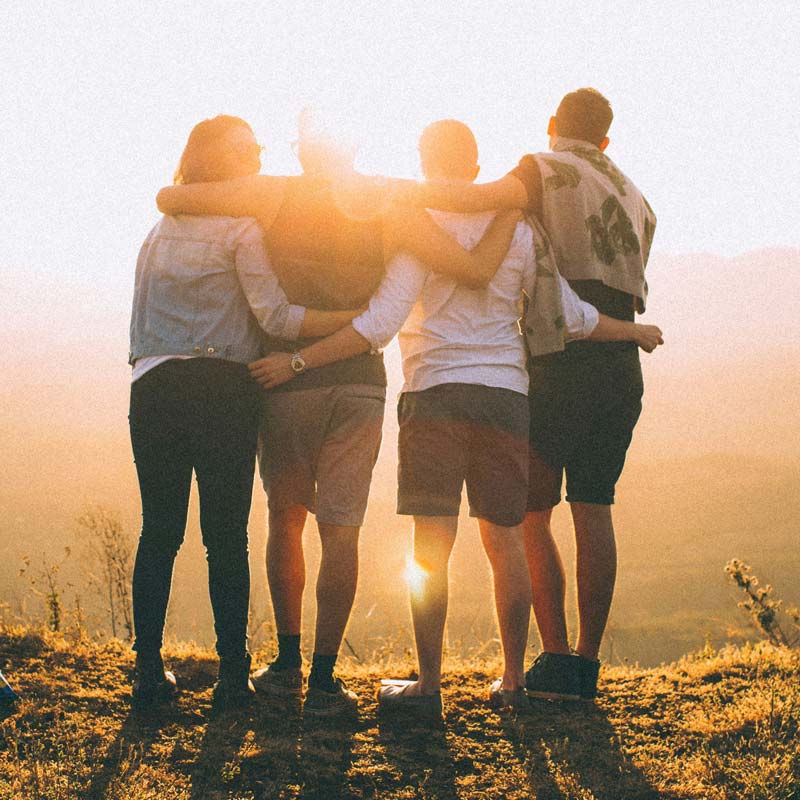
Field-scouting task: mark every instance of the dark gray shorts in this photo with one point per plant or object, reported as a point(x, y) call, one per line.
point(459, 432)
point(583, 412)
point(317, 448)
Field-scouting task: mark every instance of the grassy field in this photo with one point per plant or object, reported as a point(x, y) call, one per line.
point(715, 725)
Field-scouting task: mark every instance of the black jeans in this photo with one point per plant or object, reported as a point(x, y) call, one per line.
point(199, 415)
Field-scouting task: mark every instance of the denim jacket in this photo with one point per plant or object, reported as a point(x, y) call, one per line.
point(204, 287)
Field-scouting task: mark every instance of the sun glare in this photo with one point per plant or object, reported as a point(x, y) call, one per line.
point(415, 576)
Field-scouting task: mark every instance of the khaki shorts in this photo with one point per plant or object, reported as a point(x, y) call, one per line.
point(317, 448)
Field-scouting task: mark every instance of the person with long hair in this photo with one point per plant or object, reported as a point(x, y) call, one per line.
point(204, 298)
point(321, 432)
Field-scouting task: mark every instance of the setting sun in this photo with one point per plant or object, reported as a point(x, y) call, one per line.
point(309, 488)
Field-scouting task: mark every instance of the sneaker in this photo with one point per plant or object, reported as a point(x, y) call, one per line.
point(152, 684)
point(500, 697)
point(278, 682)
point(554, 676)
point(392, 698)
point(233, 688)
point(588, 671)
point(340, 701)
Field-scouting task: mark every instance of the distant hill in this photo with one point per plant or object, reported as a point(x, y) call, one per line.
point(713, 725)
point(711, 475)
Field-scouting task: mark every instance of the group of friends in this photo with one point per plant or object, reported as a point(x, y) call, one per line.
point(261, 307)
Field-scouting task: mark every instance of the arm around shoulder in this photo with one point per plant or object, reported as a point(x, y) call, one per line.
point(253, 196)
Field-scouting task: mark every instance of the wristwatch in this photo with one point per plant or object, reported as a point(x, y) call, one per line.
point(298, 363)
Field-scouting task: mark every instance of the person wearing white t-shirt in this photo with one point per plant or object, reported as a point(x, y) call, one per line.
point(463, 414)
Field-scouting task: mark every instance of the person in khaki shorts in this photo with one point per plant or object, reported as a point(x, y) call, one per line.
point(320, 435)
point(463, 411)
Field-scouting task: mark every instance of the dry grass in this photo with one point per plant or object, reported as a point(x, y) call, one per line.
point(716, 725)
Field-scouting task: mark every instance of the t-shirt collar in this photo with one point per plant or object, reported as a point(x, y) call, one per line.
point(563, 143)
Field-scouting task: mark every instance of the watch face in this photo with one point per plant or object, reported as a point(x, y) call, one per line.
point(297, 363)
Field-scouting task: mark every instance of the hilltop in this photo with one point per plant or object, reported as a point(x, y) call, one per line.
point(714, 725)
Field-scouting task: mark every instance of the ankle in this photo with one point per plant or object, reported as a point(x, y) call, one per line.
point(288, 652)
point(321, 676)
point(558, 648)
point(429, 685)
point(513, 680)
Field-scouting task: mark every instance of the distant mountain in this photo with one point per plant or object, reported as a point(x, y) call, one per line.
point(712, 473)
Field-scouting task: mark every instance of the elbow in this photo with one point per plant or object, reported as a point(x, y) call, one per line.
point(475, 281)
point(162, 202)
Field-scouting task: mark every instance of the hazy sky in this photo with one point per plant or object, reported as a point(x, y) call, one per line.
point(98, 98)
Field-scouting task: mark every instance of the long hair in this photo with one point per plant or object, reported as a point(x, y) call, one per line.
point(201, 159)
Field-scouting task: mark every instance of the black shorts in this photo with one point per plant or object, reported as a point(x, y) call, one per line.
point(583, 412)
point(460, 432)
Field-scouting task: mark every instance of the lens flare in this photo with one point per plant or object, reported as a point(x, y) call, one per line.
point(415, 576)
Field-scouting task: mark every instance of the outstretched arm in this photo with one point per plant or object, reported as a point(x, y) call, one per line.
point(583, 321)
point(414, 231)
point(372, 330)
point(505, 193)
point(608, 329)
point(254, 196)
point(268, 302)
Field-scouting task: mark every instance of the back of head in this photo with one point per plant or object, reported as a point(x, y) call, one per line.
point(206, 156)
point(319, 151)
point(448, 149)
point(584, 114)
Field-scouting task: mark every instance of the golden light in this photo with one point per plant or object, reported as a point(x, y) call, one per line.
point(415, 576)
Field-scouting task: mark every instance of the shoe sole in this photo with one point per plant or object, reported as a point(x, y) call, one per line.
point(570, 698)
point(271, 690)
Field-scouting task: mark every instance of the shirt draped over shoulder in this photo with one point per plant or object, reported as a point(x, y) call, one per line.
point(452, 334)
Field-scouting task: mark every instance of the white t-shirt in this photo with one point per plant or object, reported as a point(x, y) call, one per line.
point(451, 334)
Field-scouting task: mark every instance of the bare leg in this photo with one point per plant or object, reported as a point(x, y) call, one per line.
point(433, 542)
point(596, 573)
point(336, 585)
point(512, 596)
point(548, 583)
point(286, 567)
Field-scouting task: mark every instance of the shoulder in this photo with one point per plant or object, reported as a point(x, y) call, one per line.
point(467, 228)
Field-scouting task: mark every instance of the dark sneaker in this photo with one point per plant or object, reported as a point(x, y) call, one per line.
point(392, 699)
point(339, 701)
point(279, 682)
point(500, 697)
point(554, 676)
point(152, 684)
point(588, 671)
point(233, 688)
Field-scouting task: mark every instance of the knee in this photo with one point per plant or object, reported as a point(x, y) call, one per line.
point(537, 523)
point(505, 548)
point(161, 539)
point(227, 545)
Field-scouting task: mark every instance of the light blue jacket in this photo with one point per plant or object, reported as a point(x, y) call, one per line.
point(204, 287)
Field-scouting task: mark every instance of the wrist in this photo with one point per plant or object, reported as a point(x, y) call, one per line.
point(308, 357)
point(297, 363)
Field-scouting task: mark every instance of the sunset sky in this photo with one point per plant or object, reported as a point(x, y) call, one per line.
point(98, 99)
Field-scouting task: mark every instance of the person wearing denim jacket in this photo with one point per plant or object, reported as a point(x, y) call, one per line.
point(204, 299)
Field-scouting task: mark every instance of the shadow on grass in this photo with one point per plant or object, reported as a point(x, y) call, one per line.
point(325, 758)
point(422, 756)
point(135, 737)
point(569, 748)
